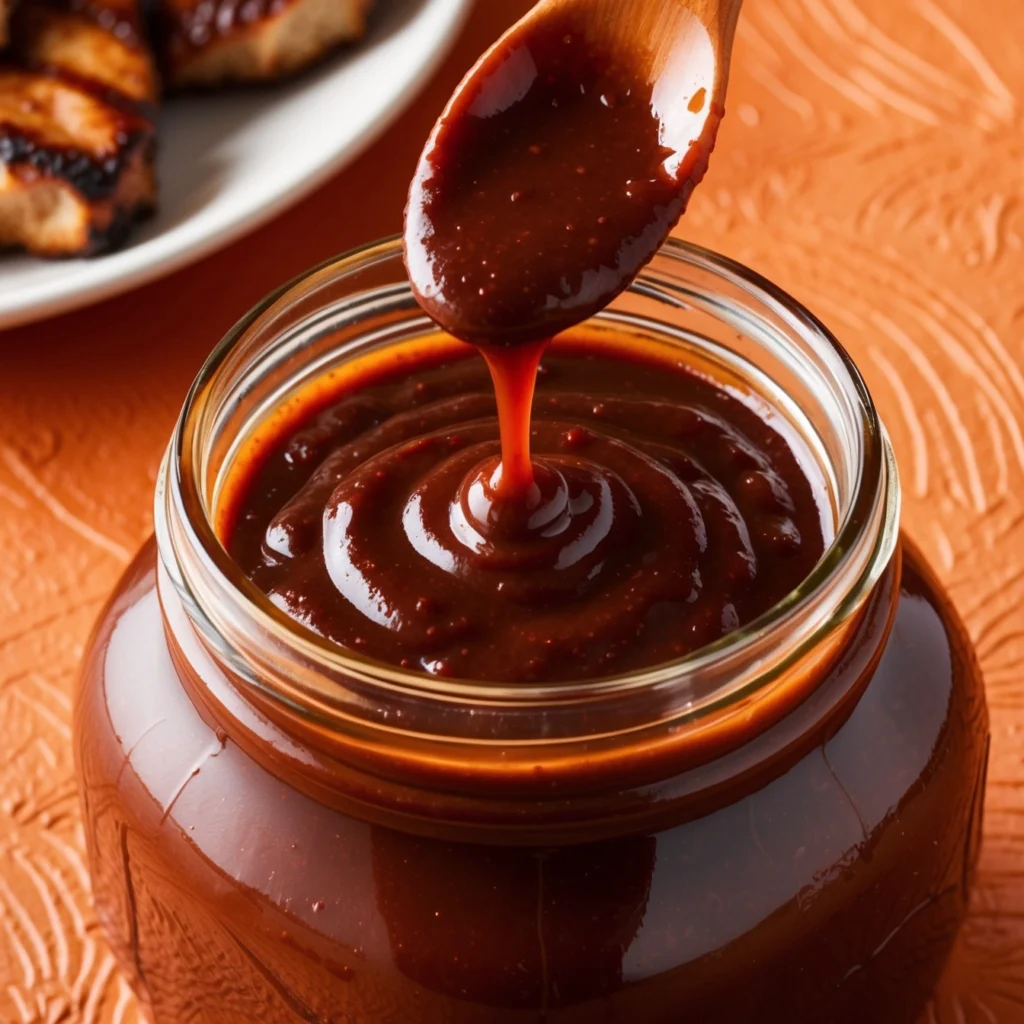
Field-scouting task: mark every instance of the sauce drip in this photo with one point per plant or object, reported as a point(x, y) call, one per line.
point(514, 374)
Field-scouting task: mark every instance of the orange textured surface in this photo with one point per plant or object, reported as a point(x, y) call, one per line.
point(872, 163)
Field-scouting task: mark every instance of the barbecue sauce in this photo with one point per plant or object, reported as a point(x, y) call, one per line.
point(550, 181)
point(662, 511)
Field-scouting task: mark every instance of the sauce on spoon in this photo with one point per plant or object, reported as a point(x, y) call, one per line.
point(555, 174)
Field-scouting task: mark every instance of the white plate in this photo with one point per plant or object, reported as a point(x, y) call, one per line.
point(229, 163)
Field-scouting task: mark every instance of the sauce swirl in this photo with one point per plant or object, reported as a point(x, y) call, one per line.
point(662, 513)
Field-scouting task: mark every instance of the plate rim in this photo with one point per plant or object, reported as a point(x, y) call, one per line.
point(170, 251)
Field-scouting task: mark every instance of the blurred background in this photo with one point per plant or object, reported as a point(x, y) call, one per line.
point(871, 162)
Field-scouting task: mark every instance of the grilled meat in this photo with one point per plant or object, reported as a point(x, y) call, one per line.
point(78, 92)
point(210, 42)
point(77, 139)
point(101, 42)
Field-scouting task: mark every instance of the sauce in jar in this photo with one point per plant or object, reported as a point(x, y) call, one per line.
point(663, 512)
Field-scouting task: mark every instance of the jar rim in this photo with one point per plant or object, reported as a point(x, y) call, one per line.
point(875, 499)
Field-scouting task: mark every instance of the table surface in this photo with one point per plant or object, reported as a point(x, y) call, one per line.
point(872, 163)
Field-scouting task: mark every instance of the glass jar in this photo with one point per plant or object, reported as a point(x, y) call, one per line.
point(782, 826)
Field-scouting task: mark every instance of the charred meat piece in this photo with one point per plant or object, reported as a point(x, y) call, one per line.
point(100, 42)
point(77, 139)
point(75, 170)
point(211, 42)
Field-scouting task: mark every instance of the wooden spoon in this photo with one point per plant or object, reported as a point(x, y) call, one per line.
point(563, 161)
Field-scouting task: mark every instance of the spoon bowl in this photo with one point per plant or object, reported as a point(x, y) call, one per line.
point(563, 161)
point(681, 49)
